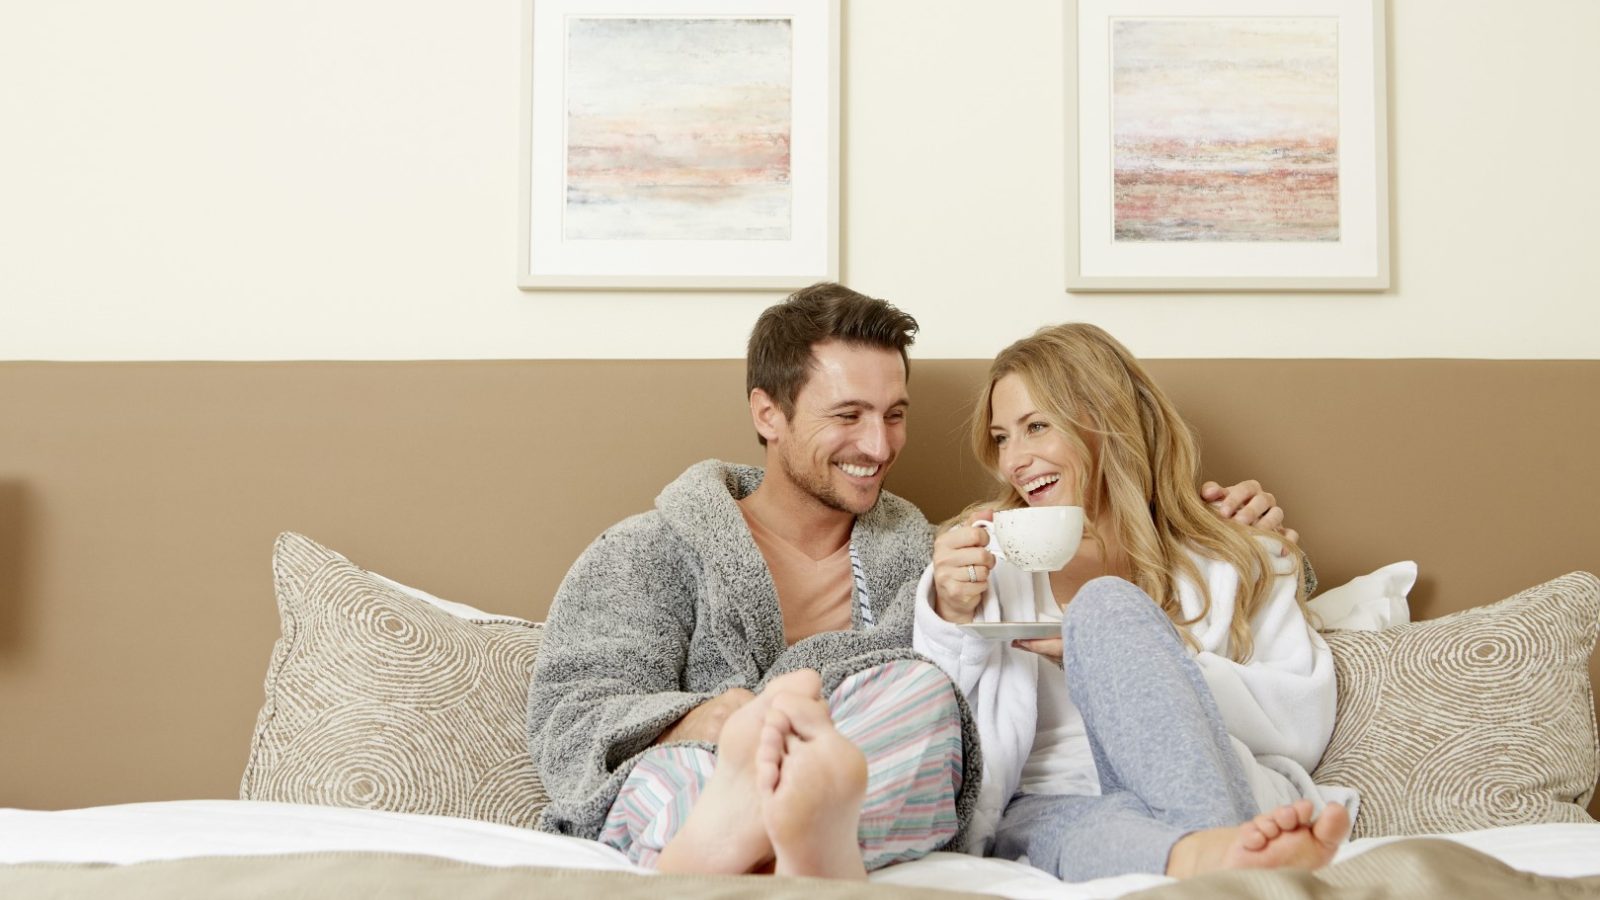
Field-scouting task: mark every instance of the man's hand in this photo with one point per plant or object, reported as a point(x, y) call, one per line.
point(704, 722)
point(1247, 504)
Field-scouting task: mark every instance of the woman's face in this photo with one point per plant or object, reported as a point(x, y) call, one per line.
point(1033, 455)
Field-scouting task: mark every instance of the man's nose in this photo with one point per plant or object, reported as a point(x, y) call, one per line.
point(874, 441)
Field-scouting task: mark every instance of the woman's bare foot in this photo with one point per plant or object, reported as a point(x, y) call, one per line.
point(812, 780)
point(724, 833)
point(1286, 837)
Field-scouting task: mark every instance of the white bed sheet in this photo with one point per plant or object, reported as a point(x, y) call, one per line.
point(141, 832)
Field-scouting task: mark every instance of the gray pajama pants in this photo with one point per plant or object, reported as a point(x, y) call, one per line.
point(1166, 765)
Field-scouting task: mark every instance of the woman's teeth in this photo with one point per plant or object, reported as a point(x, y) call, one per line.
point(1040, 483)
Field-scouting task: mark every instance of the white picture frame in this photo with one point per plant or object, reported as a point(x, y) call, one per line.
point(679, 145)
point(1139, 219)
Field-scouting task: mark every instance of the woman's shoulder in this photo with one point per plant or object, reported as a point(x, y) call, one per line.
point(1275, 551)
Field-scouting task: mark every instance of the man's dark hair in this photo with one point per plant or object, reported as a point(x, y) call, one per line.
point(778, 359)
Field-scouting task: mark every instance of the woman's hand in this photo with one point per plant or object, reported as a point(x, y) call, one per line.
point(1049, 648)
point(961, 570)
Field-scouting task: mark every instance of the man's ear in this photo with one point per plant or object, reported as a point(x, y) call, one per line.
point(765, 414)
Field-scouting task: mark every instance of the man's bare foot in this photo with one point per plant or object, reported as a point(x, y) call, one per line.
point(1286, 837)
point(812, 780)
point(724, 833)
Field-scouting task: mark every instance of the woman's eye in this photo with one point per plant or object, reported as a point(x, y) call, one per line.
point(999, 439)
point(1036, 427)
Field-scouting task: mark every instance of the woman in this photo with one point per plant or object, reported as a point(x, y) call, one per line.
point(1194, 699)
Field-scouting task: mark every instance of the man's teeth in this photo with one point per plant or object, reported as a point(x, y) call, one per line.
point(859, 471)
point(1040, 482)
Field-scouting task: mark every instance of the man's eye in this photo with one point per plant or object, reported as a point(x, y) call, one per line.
point(849, 417)
point(896, 417)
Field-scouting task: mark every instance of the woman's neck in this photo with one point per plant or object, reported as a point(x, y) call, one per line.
point(1093, 559)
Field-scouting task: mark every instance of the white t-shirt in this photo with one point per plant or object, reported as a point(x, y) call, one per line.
point(1060, 761)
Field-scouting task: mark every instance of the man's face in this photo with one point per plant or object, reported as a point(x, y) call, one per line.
point(848, 426)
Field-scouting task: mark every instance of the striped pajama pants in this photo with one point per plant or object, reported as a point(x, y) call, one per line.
point(903, 716)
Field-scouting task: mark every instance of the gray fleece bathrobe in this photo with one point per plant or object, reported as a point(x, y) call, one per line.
point(670, 608)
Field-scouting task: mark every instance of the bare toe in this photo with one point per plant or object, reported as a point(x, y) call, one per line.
point(805, 682)
point(1333, 826)
point(805, 716)
point(1304, 812)
point(1251, 837)
point(769, 757)
point(1268, 823)
point(1287, 818)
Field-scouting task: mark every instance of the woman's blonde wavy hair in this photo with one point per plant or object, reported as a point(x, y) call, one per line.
point(1142, 482)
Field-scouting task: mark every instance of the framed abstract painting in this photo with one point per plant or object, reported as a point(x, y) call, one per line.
point(1226, 145)
point(679, 144)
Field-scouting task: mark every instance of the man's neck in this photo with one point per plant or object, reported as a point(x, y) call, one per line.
point(799, 518)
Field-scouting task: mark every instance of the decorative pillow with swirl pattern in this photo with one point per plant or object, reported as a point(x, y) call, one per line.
point(380, 697)
point(1481, 718)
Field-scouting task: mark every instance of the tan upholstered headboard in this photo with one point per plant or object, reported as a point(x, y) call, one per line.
point(139, 502)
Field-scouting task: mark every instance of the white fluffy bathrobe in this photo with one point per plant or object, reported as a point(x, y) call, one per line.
point(1278, 707)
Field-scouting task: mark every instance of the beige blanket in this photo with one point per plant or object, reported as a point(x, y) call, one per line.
point(1420, 868)
point(1415, 868)
point(342, 876)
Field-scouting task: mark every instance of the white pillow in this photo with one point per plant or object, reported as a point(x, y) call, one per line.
point(1370, 602)
point(459, 610)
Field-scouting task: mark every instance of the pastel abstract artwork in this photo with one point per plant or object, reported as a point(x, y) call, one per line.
point(1226, 129)
point(678, 129)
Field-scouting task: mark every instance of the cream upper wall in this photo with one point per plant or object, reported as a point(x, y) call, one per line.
point(289, 180)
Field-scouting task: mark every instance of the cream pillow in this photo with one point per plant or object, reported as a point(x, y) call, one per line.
point(1370, 602)
point(383, 697)
point(1477, 719)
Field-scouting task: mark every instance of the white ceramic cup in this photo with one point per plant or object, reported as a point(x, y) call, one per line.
point(1037, 538)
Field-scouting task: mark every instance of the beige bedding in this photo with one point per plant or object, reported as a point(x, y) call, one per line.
point(1414, 868)
point(339, 876)
point(1417, 868)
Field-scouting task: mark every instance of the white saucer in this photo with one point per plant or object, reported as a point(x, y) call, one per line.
point(1012, 631)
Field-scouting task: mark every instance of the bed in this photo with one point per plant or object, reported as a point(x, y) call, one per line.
point(388, 758)
point(215, 847)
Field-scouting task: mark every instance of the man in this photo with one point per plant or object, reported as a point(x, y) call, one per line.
point(794, 581)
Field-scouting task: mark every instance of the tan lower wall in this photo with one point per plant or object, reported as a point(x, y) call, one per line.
point(138, 504)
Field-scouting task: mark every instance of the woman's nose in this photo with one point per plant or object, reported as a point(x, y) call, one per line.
point(1011, 458)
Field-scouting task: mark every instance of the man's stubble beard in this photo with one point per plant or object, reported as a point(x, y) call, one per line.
point(820, 489)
